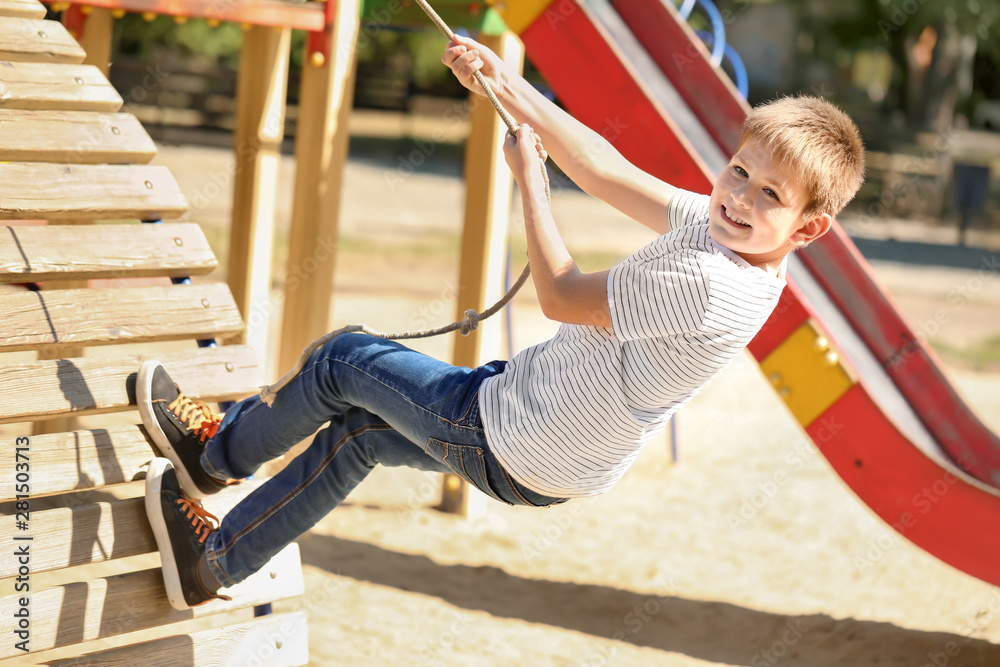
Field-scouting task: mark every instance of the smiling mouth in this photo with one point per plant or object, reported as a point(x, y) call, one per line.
point(738, 222)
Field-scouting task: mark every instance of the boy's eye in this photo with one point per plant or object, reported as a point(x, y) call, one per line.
point(740, 170)
point(771, 193)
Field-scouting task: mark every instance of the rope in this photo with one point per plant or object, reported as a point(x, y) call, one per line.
point(467, 324)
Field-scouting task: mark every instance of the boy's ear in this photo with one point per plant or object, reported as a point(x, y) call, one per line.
point(812, 229)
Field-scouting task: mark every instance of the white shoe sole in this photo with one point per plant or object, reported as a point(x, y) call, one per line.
point(154, 511)
point(143, 396)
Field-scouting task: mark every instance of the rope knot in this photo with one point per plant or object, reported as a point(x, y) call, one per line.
point(470, 322)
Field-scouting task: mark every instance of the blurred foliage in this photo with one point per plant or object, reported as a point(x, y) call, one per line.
point(195, 40)
point(895, 27)
point(415, 54)
point(869, 23)
point(836, 31)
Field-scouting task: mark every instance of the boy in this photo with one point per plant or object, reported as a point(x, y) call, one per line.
point(563, 419)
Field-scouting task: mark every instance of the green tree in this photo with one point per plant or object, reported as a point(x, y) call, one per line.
point(194, 40)
point(932, 44)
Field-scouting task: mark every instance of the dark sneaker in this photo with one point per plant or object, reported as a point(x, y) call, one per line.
point(179, 427)
point(180, 527)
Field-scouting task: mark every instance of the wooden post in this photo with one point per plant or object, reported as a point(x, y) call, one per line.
point(488, 190)
point(98, 30)
point(260, 122)
point(320, 153)
point(321, 139)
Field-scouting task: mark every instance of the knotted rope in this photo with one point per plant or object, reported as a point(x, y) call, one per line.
point(472, 318)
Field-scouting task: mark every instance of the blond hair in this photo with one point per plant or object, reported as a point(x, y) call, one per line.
point(818, 141)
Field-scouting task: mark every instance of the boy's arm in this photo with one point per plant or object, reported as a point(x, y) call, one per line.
point(565, 293)
point(586, 157)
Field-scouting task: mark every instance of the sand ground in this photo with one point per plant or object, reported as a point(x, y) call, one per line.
point(706, 561)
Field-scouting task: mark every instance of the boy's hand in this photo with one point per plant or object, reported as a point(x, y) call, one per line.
point(524, 153)
point(465, 56)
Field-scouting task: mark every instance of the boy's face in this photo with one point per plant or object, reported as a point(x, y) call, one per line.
point(756, 208)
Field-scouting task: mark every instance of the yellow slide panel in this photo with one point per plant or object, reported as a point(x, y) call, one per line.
point(519, 14)
point(807, 373)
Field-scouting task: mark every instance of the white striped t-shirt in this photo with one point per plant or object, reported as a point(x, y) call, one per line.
point(567, 417)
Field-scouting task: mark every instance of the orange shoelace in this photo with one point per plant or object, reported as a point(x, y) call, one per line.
point(203, 521)
point(198, 415)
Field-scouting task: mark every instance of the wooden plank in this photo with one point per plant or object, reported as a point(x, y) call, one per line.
point(67, 87)
point(81, 460)
point(260, 122)
point(488, 189)
point(66, 318)
point(88, 192)
point(278, 640)
point(87, 610)
point(320, 153)
point(47, 389)
point(74, 137)
point(88, 533)
point(33, 40)
point(22, 9)
point(94, 532)
point(103, 251)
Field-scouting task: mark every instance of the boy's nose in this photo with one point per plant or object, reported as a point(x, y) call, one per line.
point(741, 197)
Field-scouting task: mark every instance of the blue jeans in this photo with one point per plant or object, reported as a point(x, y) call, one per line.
point(385, 404)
